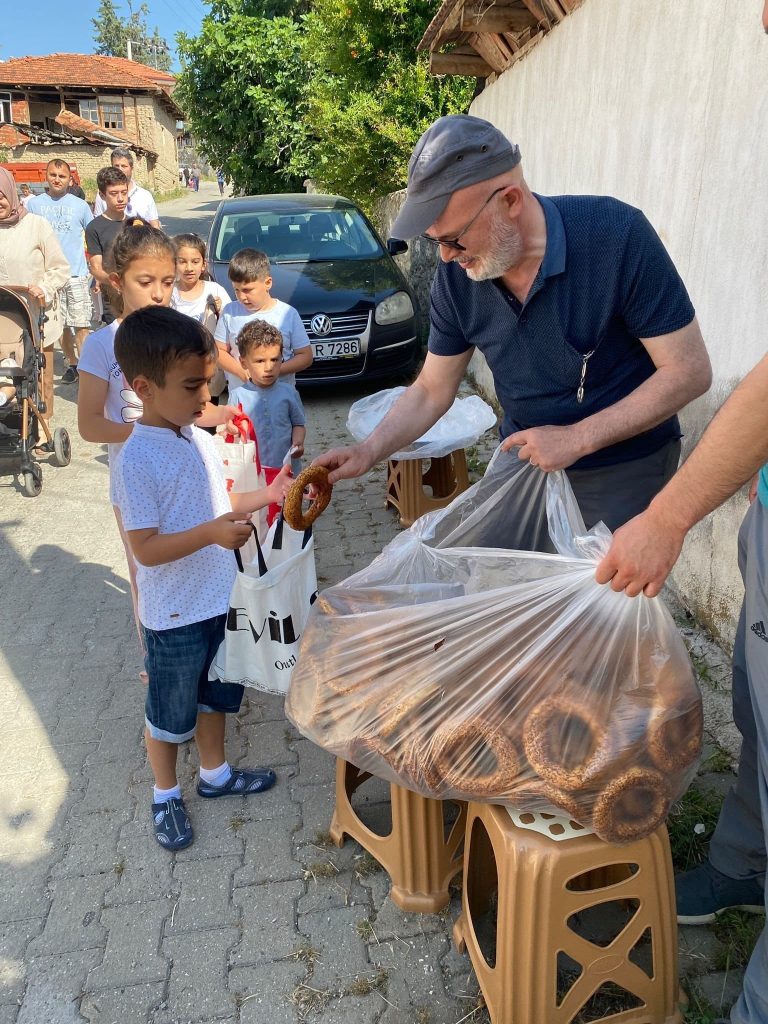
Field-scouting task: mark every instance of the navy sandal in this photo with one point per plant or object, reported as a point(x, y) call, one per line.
point(172, 826)
point(242, 782)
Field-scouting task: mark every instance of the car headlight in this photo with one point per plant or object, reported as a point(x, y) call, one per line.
point(394, 309)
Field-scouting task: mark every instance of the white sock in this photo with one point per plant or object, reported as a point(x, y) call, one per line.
point(3, 398)
point(216, 776)
point(162, 796)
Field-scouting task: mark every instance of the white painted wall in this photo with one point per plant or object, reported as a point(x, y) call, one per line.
point(663, 103)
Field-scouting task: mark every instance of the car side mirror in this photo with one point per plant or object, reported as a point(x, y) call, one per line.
point(396, 246)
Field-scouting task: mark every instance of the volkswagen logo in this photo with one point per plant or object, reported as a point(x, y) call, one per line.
point(321, 324)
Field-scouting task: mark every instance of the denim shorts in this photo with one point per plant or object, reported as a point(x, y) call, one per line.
point(177, 663)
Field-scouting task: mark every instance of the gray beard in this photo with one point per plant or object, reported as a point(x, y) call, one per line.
point(505, 250)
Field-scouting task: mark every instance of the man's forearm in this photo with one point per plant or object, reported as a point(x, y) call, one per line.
point(732, 449)
point(655, 400)
point(411, 416)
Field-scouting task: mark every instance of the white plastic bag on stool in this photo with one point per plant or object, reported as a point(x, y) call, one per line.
point(510, 676)
point(268, 609)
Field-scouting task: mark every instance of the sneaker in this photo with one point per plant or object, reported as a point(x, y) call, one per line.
point(242, 782)
point(172, 827)
point(704, 892)
point(70, 375)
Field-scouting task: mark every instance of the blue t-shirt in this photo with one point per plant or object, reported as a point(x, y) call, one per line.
point(273, 411)
point(234, 316)
point(69, 217)
point(762, 486)
point(606, 281)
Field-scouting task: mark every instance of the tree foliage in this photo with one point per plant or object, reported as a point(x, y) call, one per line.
point(111, 33)
point(276, 90)
point(373, 95)
point(243, 88)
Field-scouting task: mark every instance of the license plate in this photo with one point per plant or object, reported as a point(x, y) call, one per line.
point(336, 349)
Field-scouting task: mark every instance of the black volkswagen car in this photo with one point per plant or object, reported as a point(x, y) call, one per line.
point(330, 265)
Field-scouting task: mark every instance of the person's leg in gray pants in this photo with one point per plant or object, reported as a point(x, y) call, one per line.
point(752, 1005)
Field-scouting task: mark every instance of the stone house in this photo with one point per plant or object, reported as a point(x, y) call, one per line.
point(81, 106)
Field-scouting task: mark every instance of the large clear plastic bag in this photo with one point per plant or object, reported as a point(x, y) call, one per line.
point(466, 421)
point(462, 669)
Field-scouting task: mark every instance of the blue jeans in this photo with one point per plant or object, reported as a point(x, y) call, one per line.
point(177, 663)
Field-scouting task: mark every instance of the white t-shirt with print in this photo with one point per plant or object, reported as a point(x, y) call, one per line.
point(173, 483)
point(122, 404)
point(196, 308)
point(235, 316)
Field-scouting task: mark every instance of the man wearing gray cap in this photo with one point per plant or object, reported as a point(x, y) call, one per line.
point(577, 307)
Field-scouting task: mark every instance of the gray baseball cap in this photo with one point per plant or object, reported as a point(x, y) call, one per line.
point(454, 152)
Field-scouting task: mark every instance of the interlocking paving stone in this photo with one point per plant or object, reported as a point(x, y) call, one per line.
point(204, 899)
point(268, 924)
point(263, 994)
point(131, 955)
point(197, 988)
point(54, 986)
point(130, 1005)
point(342, 951)
point(73, 921)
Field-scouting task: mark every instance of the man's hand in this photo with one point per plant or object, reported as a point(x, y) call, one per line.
point(230, 531)
point(220, 416)
point(345, 463)
point(36, 293)
point(641, 556)
point(549, 448)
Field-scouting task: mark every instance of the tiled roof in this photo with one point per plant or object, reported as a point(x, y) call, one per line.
point(84, 69)
point(82, 126)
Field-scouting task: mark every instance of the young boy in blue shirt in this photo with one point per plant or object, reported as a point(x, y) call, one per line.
point(183, 528)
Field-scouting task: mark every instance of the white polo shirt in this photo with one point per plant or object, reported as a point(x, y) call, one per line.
point(140, 204)
point(175, 483)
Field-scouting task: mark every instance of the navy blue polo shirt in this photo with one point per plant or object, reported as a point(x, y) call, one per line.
point(606, 280)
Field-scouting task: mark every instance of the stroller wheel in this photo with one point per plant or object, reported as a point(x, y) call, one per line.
point(62, 447)
point(33, 481)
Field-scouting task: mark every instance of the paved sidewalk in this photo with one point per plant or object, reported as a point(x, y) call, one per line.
point(260, 921)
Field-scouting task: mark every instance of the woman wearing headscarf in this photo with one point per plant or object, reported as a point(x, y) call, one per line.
point(30, 255)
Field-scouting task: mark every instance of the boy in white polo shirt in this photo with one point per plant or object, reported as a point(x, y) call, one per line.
point(183, 528)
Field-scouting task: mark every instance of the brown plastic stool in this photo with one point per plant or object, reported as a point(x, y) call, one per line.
point(418, 857)
point(542, 884)
point(447, 477)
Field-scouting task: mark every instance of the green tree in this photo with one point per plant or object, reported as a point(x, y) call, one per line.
point(372, 95)
point(243, 87)
point(111, 33)
point(277, 89)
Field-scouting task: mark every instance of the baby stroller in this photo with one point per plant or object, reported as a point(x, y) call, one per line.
point(21, 368)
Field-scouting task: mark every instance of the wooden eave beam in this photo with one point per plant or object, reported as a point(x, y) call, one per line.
point(493, 51)
point(454, 63)
point(480, 16)
point(449, 29)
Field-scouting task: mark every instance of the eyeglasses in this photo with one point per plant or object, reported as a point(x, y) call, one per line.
point(454, 243)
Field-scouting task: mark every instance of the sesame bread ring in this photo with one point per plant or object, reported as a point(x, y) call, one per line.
point(564, 742)
point(632, 806)
point(475, 759)
point(674, 733)
point(292, 513)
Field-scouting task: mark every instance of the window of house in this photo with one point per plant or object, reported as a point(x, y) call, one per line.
point(53, 125)
point(111, 111)
point(5, 107)
point(89, 109)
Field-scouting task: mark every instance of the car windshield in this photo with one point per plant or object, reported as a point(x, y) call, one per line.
point(315, 235)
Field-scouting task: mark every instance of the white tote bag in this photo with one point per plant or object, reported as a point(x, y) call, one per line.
point(243, 472)
point(268, 609)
